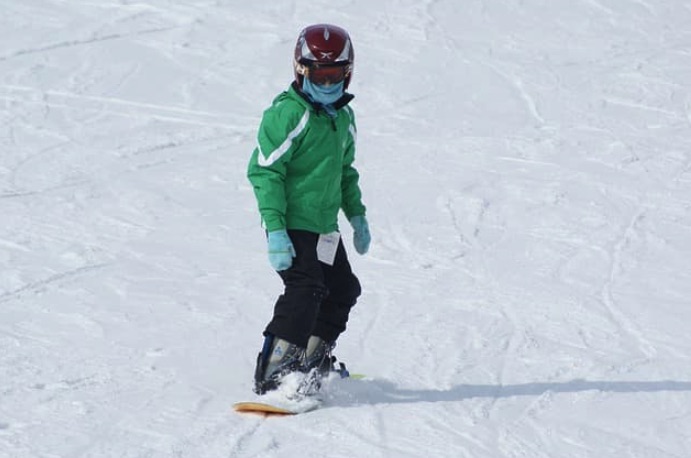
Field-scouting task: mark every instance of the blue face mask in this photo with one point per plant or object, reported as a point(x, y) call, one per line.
point(326, 95)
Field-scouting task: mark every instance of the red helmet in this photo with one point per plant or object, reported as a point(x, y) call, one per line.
point(324, 53)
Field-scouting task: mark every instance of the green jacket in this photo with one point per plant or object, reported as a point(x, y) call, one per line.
point(302, 168)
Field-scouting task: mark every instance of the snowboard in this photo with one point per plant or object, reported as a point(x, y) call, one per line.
point(275, 405)
point(270, 410)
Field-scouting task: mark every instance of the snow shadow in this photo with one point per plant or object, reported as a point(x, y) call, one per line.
point(359, 392)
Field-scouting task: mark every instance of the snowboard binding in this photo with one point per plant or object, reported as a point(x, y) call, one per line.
point(279, 358)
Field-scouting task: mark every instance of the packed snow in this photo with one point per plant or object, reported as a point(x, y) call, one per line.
point(527, 171)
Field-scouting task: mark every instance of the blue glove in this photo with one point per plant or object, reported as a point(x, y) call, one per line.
point(361, 236)
point(281, 250)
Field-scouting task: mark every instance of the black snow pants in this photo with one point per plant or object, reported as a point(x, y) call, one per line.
point(317, 297)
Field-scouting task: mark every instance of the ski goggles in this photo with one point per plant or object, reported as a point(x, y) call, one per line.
point(327, 74)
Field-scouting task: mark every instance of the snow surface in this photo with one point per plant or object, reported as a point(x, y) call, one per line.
point(527, 170)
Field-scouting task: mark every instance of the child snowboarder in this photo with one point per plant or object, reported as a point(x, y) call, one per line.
point(302, 174)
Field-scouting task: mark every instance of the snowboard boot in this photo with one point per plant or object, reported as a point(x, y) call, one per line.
point(277, 359)
point(318, 356)
point(319, 362)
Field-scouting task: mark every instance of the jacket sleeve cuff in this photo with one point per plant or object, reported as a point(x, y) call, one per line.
point(274, 223)
point(352, 211)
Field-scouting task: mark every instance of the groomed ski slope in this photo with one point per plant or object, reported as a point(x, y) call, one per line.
point(527, 171)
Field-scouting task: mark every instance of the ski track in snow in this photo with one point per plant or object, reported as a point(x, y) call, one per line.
point(526, 169)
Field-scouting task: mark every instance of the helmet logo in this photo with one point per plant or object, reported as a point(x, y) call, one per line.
point(326, 55)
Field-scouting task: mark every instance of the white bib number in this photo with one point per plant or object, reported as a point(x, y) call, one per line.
point(327, 246)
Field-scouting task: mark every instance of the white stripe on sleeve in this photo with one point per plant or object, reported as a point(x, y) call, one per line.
point(285, 146)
